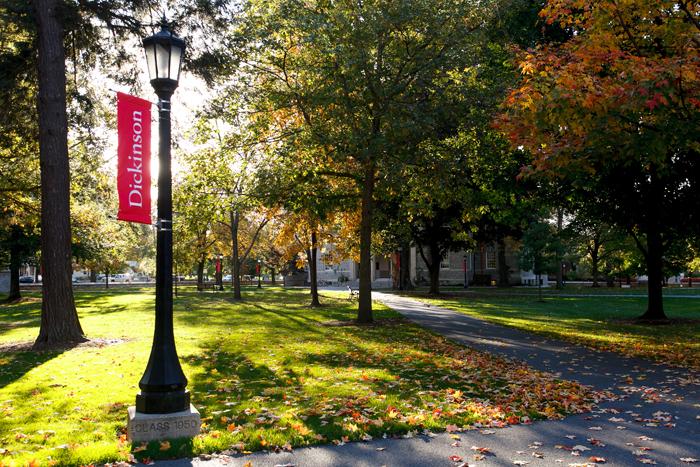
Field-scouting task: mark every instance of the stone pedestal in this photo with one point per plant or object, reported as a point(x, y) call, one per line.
point(149, 427)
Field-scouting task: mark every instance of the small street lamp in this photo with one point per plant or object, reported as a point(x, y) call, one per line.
point(257, 268)
point(163, 382)
point(464, 267)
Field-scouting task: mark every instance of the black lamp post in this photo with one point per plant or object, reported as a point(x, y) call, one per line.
point(464, 266)
point(163, 383)
point(259, 268)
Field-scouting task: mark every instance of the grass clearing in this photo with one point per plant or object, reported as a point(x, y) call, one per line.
point(598, 322)
point(266, 373)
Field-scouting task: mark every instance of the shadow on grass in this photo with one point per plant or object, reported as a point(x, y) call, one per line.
point(19, 315)
point(14, 365)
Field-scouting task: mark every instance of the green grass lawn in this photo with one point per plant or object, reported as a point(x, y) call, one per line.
point(573, 289)
point(598, 322)
point(265, 374)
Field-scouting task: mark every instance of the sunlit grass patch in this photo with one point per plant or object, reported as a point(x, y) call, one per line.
point(604, 323)
point(266, 373)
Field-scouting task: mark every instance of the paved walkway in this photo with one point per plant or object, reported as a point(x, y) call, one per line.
point(655, 421)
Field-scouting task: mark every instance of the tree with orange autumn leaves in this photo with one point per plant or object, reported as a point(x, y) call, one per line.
point(613, 113)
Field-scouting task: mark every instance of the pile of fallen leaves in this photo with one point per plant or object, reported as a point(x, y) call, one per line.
point(416, 381)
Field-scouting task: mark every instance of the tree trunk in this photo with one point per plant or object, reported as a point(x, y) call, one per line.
point(235, 260)
point(93, 275)
point(200, 274)
point(594, 263)
point(313, 269)
point(560, 225)
point(273, 281)
point(654, 260)
point(655, 252)
point(405, 270)
point(107, 279)
point(364, 308)
point(15, 263)
point(503, 269)
point(434, 270)
point(59, 319)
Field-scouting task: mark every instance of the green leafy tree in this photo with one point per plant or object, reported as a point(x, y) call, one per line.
point(613, 113)
point(354, 82)
point(78, 34)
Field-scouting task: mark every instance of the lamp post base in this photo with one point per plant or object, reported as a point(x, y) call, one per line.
point(149, 427)
point(162, 402)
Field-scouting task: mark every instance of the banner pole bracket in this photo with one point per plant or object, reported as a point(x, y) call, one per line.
point(165, 225)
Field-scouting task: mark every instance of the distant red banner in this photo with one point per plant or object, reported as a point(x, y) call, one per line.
point(134, 159)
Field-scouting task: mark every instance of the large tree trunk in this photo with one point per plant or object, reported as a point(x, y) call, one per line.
point(235, 260)
point(313, 269)
point(200, 274)
point(654, 260)
point(503, 269)
point(59, 319)
point(364, 308)
point(434, 270)
point(654, 251)
point(15, 263)
point(273, 280)
point(93, 275)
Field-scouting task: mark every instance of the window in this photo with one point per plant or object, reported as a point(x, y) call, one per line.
point(490, 258)
point(445, 262)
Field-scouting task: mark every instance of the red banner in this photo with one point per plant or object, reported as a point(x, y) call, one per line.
point(134, 158)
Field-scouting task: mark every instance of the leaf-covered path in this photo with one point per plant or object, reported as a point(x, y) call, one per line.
point(654, 417)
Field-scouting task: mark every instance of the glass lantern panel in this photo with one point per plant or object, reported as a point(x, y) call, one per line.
point(151, 61)
point(175, 56)
point(162, 60)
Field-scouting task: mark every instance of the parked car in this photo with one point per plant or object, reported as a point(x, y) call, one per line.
point(26, 280)
point(120, 278)
point(227, 278)
point(140, 278)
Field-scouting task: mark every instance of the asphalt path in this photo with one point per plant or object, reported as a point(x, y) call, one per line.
point(653, 418)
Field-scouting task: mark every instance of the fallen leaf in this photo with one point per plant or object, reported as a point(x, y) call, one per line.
point(164, 445)
point(597, 460)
